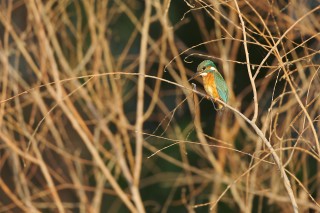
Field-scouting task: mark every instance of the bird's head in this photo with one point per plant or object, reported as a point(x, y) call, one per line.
point(206, 67)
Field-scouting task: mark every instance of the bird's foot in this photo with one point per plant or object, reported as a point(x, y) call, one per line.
point(209, 97)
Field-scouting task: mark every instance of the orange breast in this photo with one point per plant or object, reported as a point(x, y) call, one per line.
point(210, 86)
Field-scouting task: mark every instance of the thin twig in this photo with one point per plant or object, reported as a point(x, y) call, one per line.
point(139, 114)
point(254, 88)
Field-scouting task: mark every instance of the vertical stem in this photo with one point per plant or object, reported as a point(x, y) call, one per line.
point(254, 89)
point(139, 120)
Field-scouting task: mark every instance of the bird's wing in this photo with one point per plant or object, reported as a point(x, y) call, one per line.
point(221, 86)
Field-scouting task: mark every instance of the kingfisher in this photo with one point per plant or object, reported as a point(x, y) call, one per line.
point(213, 83)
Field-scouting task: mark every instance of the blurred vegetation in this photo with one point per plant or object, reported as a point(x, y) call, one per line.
point(97, 113)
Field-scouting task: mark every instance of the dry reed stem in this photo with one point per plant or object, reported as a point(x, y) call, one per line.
point(252, 124)
point(254, 89)
point(82, 83)
point(140, 103)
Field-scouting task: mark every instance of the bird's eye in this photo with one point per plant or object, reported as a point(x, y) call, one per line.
point(203, 68)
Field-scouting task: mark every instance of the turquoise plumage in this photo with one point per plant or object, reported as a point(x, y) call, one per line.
point(213, 82)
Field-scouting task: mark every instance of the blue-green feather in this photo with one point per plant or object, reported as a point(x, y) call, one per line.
point(221, 86)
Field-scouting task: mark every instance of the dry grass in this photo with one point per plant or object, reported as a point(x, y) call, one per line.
point(97, 113)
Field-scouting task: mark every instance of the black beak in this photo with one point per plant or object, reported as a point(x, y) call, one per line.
point(194, 75)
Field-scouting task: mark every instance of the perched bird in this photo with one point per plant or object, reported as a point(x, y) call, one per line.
point(213, 83)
